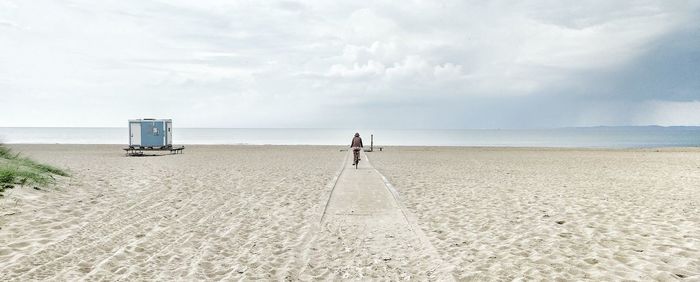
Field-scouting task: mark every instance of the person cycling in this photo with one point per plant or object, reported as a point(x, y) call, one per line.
point(356, 146)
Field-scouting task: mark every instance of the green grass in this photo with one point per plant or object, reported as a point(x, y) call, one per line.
point(6, 153)
point(16, 169)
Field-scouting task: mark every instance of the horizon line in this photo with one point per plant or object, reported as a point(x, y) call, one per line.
point(379, 128)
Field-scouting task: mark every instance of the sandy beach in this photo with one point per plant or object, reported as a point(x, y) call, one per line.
point(567, 214)
point(287, 213)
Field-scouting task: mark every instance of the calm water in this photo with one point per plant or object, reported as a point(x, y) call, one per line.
point(613, 137)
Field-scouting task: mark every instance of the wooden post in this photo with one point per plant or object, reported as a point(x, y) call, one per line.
point(371, 143)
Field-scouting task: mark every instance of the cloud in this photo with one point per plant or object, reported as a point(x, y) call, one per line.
point(672, 113)
point(448, 71)
point(414, 63)
point(372, 68)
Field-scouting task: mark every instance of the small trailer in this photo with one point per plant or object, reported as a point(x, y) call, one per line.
point(151, 135)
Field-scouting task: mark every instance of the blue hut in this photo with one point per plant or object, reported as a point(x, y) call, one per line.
point(150, 133)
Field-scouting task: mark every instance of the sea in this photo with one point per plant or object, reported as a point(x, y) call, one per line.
point(586, 137)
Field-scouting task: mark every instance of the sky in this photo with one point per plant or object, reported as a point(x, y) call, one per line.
point(350, 64)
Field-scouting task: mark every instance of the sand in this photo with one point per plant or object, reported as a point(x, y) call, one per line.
point(301, 213)
point(214, 212)
point(601, 215)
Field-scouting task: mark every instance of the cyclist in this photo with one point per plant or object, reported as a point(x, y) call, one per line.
point(356, 146)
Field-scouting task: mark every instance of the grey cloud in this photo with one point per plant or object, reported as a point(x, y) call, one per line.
point(447, 64)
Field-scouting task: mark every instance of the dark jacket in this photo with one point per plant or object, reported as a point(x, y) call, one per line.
point(356, 142)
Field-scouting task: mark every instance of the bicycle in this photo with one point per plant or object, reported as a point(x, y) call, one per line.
point(356, 160)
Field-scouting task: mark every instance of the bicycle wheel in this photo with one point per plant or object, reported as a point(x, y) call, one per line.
point(357, 157)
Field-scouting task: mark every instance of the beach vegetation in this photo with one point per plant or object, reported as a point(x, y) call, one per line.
point(16, 169)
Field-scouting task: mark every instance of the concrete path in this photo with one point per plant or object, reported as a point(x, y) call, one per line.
point(365, 207)
point(360, 196)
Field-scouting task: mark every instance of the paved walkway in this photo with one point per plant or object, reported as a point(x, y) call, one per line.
point(360, 196)
point(363, 205)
